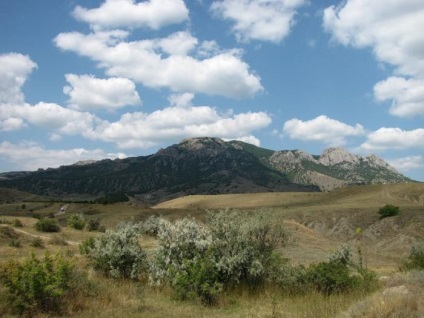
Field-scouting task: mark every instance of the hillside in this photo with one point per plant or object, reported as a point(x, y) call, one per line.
point(204, 166)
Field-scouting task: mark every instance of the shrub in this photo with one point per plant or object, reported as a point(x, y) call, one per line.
point(118, 253)
point(15, 243)
point(415, 259)
point(152, 224)
point(244, 245)
point(17, 223)
point(388, 210)
point(340, 274)
point(47, 225)
point(93, 225)
point(86, 246)
point(199, 279)
point(76, 221)
point(36, 284)
point(200, 260)
point(37, 242)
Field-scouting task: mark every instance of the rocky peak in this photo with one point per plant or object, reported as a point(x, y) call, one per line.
point(378, 162)
point(334, 156)
point(202, 142)
point(290, 156)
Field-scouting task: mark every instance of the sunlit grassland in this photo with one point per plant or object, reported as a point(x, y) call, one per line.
point(319, 223)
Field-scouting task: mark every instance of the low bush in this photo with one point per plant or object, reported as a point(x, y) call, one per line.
point(47, 225)
point(93, 225)
point(388, 210)
point(415, 258)
point(151, 225)
point(86, 246)
point(76, 221)
point(37, 242)
point(118, 253)
point(36, 285)
point(17, 223)
point(198, 260)
point(340, 274)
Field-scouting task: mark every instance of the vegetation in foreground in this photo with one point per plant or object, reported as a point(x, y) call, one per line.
point(196, 262)
point(288, 288)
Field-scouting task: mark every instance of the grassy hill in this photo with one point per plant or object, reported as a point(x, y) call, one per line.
point(319, 223)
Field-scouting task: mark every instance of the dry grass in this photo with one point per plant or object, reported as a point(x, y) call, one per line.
point(319, 222)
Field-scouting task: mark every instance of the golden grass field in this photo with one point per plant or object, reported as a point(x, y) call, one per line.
point(319, 224)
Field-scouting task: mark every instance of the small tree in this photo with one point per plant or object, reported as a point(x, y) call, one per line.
point(388, 210)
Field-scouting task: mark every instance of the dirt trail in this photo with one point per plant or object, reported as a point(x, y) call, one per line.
point(38, 236)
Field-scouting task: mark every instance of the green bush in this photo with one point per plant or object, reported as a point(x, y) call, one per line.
point(198, 280)
point(47, 225)
point(76, 221)
point(339, 274)
point(415, 259)
point(36, 285)
point(86, 246)
point(388, 210)
point(118, 253)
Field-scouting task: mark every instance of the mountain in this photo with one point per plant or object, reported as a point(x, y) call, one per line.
point(204, 166)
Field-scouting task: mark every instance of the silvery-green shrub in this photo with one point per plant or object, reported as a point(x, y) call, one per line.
point(118, 253)
point(244, 244)
point(180, 243)
point(201, 259)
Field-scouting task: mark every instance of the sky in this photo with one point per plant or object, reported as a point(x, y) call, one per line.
point(96, 79)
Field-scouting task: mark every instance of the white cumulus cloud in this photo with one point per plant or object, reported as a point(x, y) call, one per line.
point(152, 14)
point(154, 63)
point(322, 129)
point(50, 116)
point(407, 95)
point(14, 71)
point(407, 163)
point(142, 130)
point(391, 30)
point(27, 155)
point(394, 138)
point(87, 92)
point(265, 20)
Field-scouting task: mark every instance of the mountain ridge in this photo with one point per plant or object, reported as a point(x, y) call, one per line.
point(205, 165)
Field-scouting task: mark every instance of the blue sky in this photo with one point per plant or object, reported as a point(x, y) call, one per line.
point(94, 79)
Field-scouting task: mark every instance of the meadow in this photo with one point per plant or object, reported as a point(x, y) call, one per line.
point(318, 224)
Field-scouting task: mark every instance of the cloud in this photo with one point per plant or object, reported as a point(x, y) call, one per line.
point(394, 138)
point(14, 71)
point(322, 129)
point(49, 116)
point(12, 123)
point(28, 155)
point(264, 20)
point(390, 29)
point(141, 130)
point(407, 95)
point(157, 63)
point(153, 14)
point(407, 163)
point(87, 92)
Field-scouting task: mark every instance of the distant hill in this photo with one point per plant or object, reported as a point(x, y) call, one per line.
point(205, 166)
